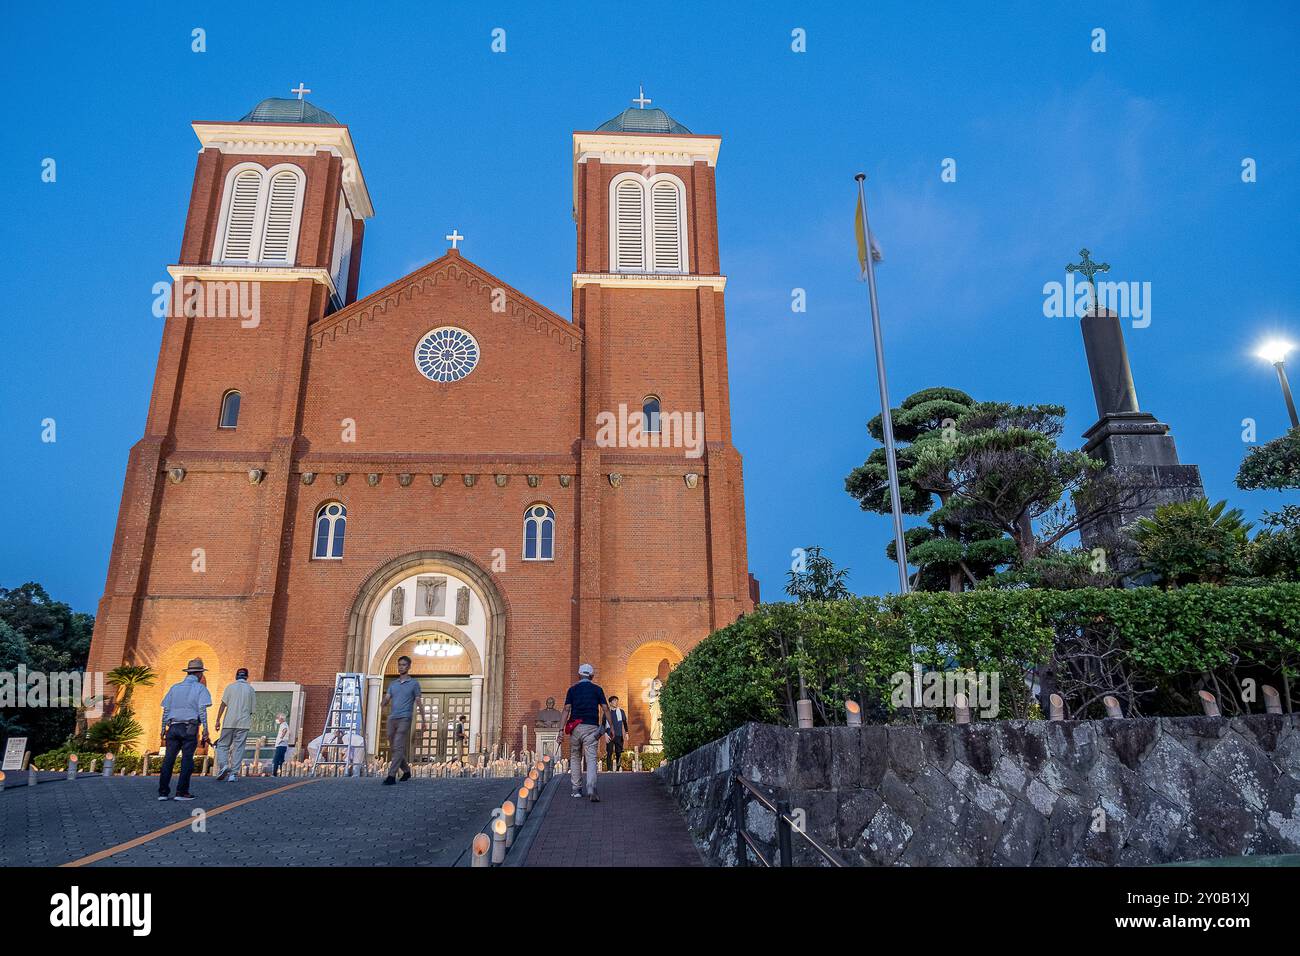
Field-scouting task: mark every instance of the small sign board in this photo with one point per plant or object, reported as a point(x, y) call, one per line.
point(15, 747)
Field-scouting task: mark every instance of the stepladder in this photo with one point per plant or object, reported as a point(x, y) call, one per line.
point(342, 744)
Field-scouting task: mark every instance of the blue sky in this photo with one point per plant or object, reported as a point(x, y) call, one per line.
point(1135, 153)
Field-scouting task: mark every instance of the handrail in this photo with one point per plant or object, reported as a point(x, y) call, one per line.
point(785, 827)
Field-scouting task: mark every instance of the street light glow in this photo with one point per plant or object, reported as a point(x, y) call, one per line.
point(1274, 350)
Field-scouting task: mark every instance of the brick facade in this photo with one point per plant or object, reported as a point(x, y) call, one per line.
point(213, 563)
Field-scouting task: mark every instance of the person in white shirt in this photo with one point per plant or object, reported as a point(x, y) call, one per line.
point(282, 743)
point(237, 704)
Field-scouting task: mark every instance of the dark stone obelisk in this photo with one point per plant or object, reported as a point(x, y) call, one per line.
point(1136, 447)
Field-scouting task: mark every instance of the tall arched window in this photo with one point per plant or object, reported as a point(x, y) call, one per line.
point(239, 224)
point(539, 533)
point(629, 225)
point(331, 524)
point(260, 215)
point(647, 224)
point(650, 411)
point(666, 207)
point(229, 410)
point(281, 228)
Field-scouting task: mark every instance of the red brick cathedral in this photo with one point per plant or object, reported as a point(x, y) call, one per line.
point(444, 468)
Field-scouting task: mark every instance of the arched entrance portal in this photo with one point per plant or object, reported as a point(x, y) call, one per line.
point(439, 602)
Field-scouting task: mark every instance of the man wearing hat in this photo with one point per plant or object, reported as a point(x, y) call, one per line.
point(237, 703)
point(585, 712)
point(184, 711)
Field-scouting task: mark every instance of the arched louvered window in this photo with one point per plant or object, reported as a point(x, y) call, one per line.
point(229, 410)
point(647, 224)
point(629, 239)
point(666, 214)
point(539, 533)
point(280, 233)
point(331, 524)
point(650, 411)
point(260, 215)
point(243, 194)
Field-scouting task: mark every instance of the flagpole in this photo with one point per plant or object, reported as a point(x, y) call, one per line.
point(886, 420)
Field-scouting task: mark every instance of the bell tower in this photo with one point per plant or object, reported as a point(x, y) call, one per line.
point(656, 428)
point(271, 243)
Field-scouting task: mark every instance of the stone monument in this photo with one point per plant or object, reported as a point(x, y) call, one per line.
point(548, 730)
point(1137, 449)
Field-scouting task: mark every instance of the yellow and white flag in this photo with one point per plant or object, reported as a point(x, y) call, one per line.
point(859, 227)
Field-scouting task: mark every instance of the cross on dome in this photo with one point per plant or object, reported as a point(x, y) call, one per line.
point(301, 90)
point(641, 100)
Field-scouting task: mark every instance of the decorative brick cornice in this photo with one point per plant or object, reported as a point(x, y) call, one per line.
point(452, 267)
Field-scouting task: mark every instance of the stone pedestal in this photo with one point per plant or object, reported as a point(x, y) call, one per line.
point(548, 742)
point(1137, 448)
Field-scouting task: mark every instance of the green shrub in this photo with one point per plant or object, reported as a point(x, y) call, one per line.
point(649, 760)
point(1149, 647)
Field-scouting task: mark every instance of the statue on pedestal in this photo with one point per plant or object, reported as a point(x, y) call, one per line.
point(656, 715)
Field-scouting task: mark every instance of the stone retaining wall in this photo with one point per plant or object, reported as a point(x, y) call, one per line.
point(1007, 793)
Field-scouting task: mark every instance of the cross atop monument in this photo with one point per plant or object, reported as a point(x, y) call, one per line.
point(455, 239)
point(641, 100)
point(1089, 269)
point(302, 88)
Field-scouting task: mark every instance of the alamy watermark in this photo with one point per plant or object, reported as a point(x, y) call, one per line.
point(24, 688)
point(631, 429)
point(940, 689)
point(211, 299)
point(1073, 299)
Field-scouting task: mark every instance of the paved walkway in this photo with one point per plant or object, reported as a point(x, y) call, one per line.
point(636, 823)
point(327, 822)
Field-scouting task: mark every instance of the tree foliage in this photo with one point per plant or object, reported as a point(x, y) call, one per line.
point(815, 578)
point(1273, 465)
point(949, 554)
point(1275, 552)
point(42, 635)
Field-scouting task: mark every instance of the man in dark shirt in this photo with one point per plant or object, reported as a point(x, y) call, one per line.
point(585, 703)
point(615, 729)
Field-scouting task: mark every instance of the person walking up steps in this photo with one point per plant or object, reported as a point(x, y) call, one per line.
point(401, 696)
point(585, 709)
point(237, 704)
point(616, 729)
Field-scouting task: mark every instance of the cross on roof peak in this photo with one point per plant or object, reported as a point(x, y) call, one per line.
point(301, 90)
point(455, 238)
point(641, 100)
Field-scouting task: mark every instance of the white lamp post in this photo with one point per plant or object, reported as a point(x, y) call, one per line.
point(1274, 351)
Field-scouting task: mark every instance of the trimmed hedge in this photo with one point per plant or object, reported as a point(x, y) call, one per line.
point(1149, 647)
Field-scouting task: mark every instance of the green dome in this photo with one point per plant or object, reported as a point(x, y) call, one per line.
point(635, 120)
point(280, 110)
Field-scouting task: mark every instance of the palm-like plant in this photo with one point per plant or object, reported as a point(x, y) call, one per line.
point(127, 678)
point(113, 734)
point(1192, 542)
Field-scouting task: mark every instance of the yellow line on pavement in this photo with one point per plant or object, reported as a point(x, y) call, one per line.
point(180, 824)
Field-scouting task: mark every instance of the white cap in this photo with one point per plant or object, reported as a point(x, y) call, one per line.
point(586, 670)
